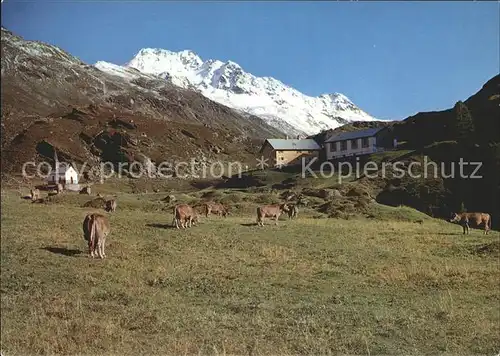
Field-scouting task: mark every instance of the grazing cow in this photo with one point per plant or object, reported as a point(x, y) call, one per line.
point(59, 188)
point(270, 211)
point(293, 211)
point(476, 219)
point(111, 205)
point(95, 230)
point(35, 194)
point(216, 208)
point(85, 190)
point(185, 215)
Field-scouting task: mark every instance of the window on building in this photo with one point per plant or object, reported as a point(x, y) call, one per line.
point(343, 145)
point(354, 144)
point(365, 142)
point(333, 147)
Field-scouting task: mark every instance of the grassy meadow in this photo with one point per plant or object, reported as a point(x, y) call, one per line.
point(380, 285)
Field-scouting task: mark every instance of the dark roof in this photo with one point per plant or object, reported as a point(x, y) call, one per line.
point(341, 136)
point(299, 145)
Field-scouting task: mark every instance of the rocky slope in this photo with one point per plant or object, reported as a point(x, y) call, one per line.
point(52, 100)
point(227, 83)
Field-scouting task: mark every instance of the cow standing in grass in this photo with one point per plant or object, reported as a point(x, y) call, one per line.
point(477, 219)
point(270, 211)
point(85, 190)
point(111, 205)
point(59, 188)
point(216, 208)
point(185, 216)
point(95, 230)
point(293, 211)
point(35, 194)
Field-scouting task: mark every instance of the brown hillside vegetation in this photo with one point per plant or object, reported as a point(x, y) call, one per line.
point(51, 99)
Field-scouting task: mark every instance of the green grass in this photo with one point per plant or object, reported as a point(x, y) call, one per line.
point(388, 156)
point(308, 286)
point(401, 213)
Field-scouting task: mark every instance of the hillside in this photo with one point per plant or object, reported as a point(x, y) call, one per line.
point(442, 137)
point(426, 128)
point(228, 83)
point(51, 99)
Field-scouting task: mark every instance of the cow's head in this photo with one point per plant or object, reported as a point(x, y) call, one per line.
point(454, 218)
point(196, 219)
point(284, 207)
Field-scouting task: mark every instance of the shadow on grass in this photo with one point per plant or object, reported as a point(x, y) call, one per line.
point(26, 197)
point(249, 224)
point(448, 233)
point(161, 226)
point(62, 251)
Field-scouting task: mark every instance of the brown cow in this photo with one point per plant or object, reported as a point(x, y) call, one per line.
point(216, 208)
point(185, 215)
point(35, 194)
point(95, 230)
point(59, 188)
point(476, 219)
point(111, 205)
point(270, 211)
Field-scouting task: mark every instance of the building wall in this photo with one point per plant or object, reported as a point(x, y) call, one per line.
point(286, 157)
point(294, 157)
point(64, 178)
point(350, 151)
point(68, 178)
point(71, 173)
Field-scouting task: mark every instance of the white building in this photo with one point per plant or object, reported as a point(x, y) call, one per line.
point(359, 142)
point(63, 173)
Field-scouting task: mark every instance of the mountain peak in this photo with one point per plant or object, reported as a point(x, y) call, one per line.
point(232, 64)
point(335, 97)
point(227, 83)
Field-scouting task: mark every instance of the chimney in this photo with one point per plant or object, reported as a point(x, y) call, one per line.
point(286, 137)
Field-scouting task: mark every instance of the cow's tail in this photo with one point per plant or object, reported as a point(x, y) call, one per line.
point(93, 228)
point(489, 223)
point(258, 215)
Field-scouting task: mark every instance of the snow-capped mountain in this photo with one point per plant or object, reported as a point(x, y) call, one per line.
point(227, 83)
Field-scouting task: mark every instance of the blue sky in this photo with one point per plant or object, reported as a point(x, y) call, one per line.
point(392, 59)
